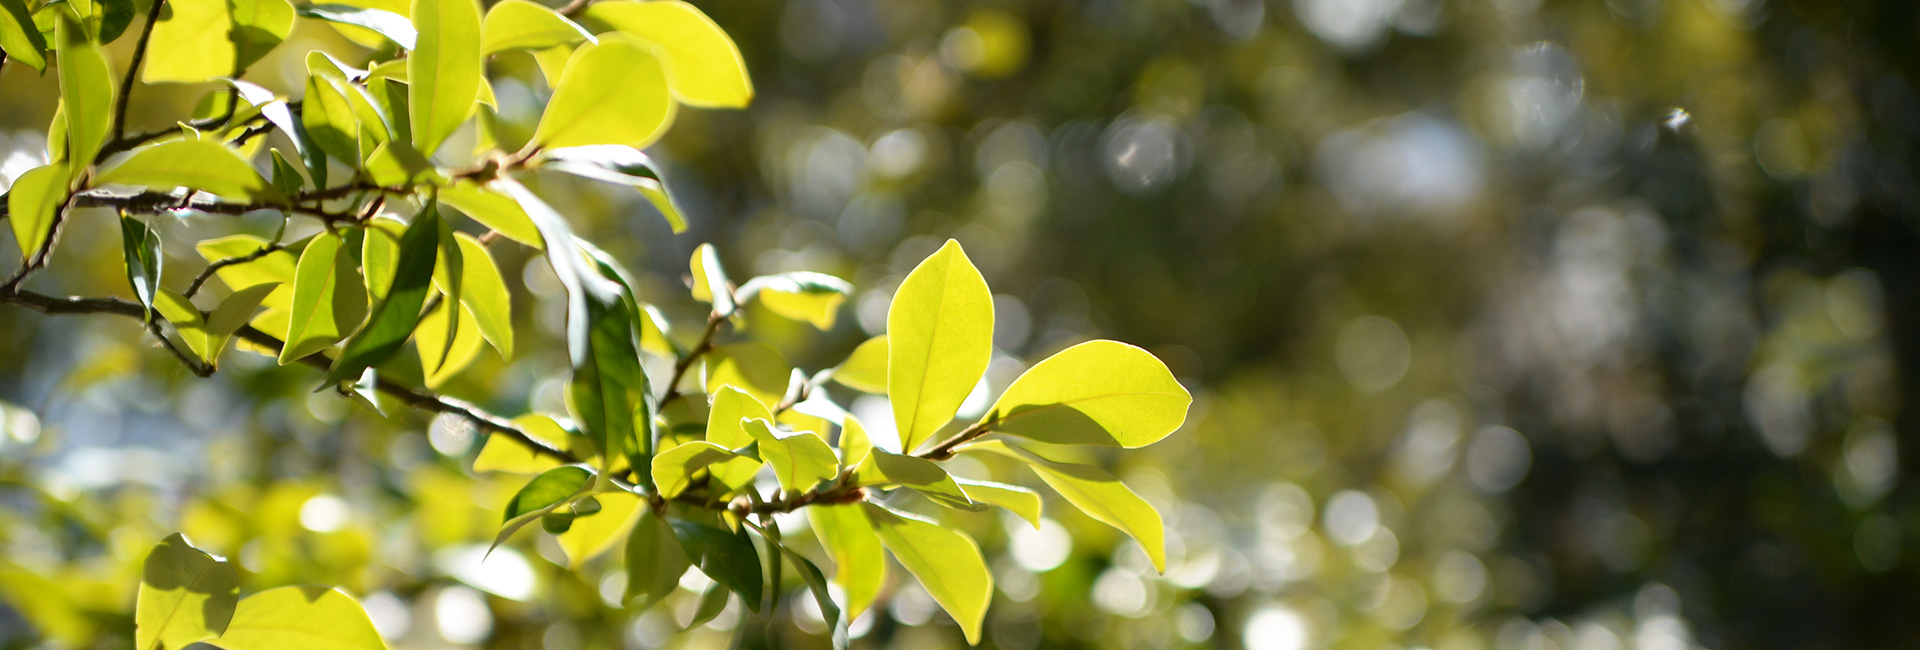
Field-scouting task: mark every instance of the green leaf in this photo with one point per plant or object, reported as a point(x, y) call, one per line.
point(442, 358)
point(1096, 493)
point(613, 92)
point(707, 274)
point(855, 446)
point(754, 367)
point(204, 41)
point(443, 73)
point(597, 526)
point(866, 369)
point(18, 36)
point(394, 27)
point(553, 62)
point(946, 561)
point(86, 91)
point(804, 296)
point(300, 618)
point(517, 24)
point(611, 397)
point(494, 210)
point(140, 247)
point(484, 293)
point(620, 164)
point(505, 454)
point(655, 560)
point(712, 602)
point(1020, 501)
point(727, 557)
point(447, 277)
point(817, 583)
point(548, 490)
point(207, 335)
point(205, 166)
point(273, 268)
point(379, 251)
point(394, 317)
point(185, 596)
point(33, 203)
point(884, 468)
point(327, 119)
point(673, 469)
point(327, 300)
point(939, 340)
point(364, 36)
point(725, 427)
point(703, 65)
point(849, 539)
point(391, 96)
point(799, 459)
point(286, 177)
point(1096, 393)
point(103, 21)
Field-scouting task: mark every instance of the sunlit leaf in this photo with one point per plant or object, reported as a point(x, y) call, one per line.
point(946, 561)
point(1095, 393)
point(593, 534)
point(19, 38)
point(613, 92)
point(367, 37)
point(849, 539)
point(884, 468)
point(300, 618)
point(1096, 493)
point(866, 369)
point(327, 299)
point(655, 560)
point(703, 65)
point(484, 293)
point(517, 24)
point(1018, 500)
point(799, 459)
point(32, 203)
point(394, 27)
point(727, 557)
point(708, 274)
point(443, 72)
point(87, 92)
point(327, 119)
point(673, 469)
point(205, 166)
point(393, 317)
point(504, 454)
point(855, 446)
point(753, 367)
point(620, 164)
point(805, 296)
point(441, 359)
point(185, 596)
point(730, 409)
point(203, 41)
point(939, 340)
point(493, 210)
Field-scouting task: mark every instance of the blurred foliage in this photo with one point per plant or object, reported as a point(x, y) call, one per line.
point(1515, 324)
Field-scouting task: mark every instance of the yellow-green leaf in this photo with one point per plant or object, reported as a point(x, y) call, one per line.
point(393, 318)
point(615, 163)
point(866, 369)
point(493, 210)
point(300, 618)
point(273, 268)
point(18, 36)
point(1096, 493)
point(327, 299)
point(86, 91)
point(673, 469)
point(799, 459)
point(1018, 500)
point(703, 65)
point(440, 358)
point(885, 468)
point(858, 563)
point(804, 296)
point(753, 367)
point(205, 166)
point(515, 24)
point(32, 203)
point(613, 92)
point(327, 118)
point(393, 26)
point(855, 446)
point(370, 38)
point(707, 274)
point(443, 72)
point(185, 596)
point(203, 41)
point(484, 293)
point(939, 340)
point(946, 561)
point(1095, 393)
point(505, 454)
point(206, 335)
point(593, 534)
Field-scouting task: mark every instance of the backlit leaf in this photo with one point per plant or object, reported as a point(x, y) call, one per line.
point(730, 408)
point(203, 41)
point(1096, 493)
point(140, 247)
point(753, 367)
point(484, 293)
point(939, 340)
point(441, 359)
point(859, 565)
point(804, 296)
point(655, 560)
point(393, 26)
point(866, 369)
point(300, 618)
point(799, 459)
point(32, 203)
point(613, 92)
point(205, 166)
point(1015, 499)
point(87, 92)
point(673, 469)
point(393, 317)
point(703, 65)
point(185, 596)
point(493, 210)
point(1095, 393)
point(443, 72)
point(884, 468)
point(516, 24)
point(620, 164)
point(505, 454)
point(727, 557)
point(19, 38)
point(327, 298)
point(593, 534)
point(946, 561)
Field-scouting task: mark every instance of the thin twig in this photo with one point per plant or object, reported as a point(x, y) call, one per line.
point(133, 72)
point(685, 363)
point(574, 7)
point(193, 365)
point(208, 272)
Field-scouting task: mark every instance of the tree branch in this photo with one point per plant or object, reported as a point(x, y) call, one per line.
point(488, 422)
point(133, 72)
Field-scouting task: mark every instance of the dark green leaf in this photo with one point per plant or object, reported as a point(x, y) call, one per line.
point(394, 317)
point(655, 560)
point(817, 583)
point(549, 489)
point(727, 557)
point(712, 603)
point(141, 249)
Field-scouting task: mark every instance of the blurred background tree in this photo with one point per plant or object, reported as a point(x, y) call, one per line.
point(1511, 324)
